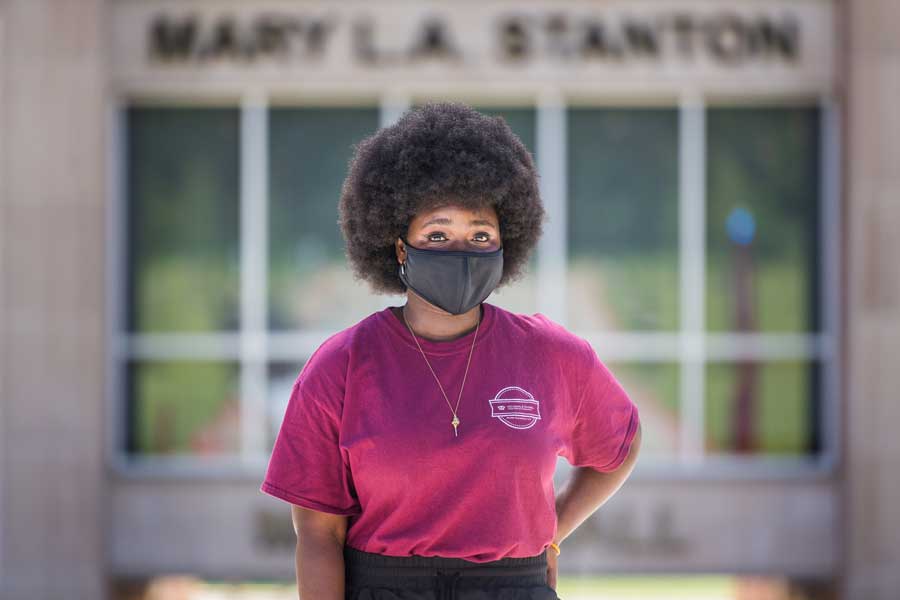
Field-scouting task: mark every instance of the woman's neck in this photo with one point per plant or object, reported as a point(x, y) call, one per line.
point(435, 325)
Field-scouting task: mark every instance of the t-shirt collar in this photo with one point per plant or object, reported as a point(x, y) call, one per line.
point(459, 344)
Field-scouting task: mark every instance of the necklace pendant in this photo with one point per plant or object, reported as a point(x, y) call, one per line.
point(455, 423)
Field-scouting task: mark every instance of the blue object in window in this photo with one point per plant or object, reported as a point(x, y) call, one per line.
point(741, 226)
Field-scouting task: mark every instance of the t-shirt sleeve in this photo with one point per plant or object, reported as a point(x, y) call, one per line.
point(605, 420)
point(308, 467)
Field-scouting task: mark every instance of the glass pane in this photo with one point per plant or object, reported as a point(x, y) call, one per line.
point(654, 389)
point(623, 219)
point(183, 211)
point(310, 282)
point(762, 219)
point(184, 407)
point(761, 407)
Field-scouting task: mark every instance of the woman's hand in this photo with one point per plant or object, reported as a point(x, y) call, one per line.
point(551, 566)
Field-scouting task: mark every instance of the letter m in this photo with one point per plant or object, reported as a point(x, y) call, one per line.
point(170, 40)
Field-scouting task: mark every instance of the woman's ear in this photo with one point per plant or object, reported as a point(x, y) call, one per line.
point(401, 251)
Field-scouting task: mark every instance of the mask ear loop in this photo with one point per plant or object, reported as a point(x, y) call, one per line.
point(403, 264)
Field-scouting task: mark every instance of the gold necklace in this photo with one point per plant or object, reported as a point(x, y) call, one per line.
point(455, 422)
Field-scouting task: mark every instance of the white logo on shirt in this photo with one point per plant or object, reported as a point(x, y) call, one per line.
point(515, 407)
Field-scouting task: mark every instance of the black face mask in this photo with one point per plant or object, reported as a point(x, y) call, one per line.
point(454, 280)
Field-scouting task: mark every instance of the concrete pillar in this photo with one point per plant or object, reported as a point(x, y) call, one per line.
point(871, 70)
point(52, 198)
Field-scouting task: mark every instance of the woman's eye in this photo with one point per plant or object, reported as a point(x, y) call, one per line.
point(440, 237)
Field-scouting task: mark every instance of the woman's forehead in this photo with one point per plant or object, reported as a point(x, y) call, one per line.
point(454, 214)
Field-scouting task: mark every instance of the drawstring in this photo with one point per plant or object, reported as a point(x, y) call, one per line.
point(447, 581)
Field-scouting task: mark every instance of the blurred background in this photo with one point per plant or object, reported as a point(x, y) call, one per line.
point(721, 180)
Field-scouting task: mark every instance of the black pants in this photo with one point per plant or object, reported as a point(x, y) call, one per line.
point(371, 576)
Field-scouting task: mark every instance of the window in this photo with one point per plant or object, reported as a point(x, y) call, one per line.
point(183, 216)
point(623, 219)
point(310, 283)
point(691, 259)
point(182, 281)
point(762, 266)
point(762, 219)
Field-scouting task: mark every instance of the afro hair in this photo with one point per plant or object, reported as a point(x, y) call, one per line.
point(437, 154)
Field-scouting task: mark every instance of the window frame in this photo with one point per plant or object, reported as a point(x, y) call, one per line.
point(689, 347)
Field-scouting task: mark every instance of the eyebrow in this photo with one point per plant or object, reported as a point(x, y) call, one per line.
point(446, 221)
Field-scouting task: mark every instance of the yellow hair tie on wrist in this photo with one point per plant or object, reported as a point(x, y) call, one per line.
point(555, 547)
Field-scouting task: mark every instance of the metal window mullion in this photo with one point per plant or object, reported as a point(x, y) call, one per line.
point(116, 280)
point(254, 244)
point(220, 346)
point(552, 251)
point(692, 275)
point(830, 244)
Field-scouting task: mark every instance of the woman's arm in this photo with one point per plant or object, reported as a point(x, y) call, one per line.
point(588, 489)
point(320, 553)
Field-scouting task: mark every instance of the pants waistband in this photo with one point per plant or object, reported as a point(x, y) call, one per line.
point(371, 564)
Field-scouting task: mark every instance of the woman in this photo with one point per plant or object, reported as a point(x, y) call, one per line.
point(419, 444)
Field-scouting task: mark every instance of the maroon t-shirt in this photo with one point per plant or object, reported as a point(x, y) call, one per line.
point(367, 434)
